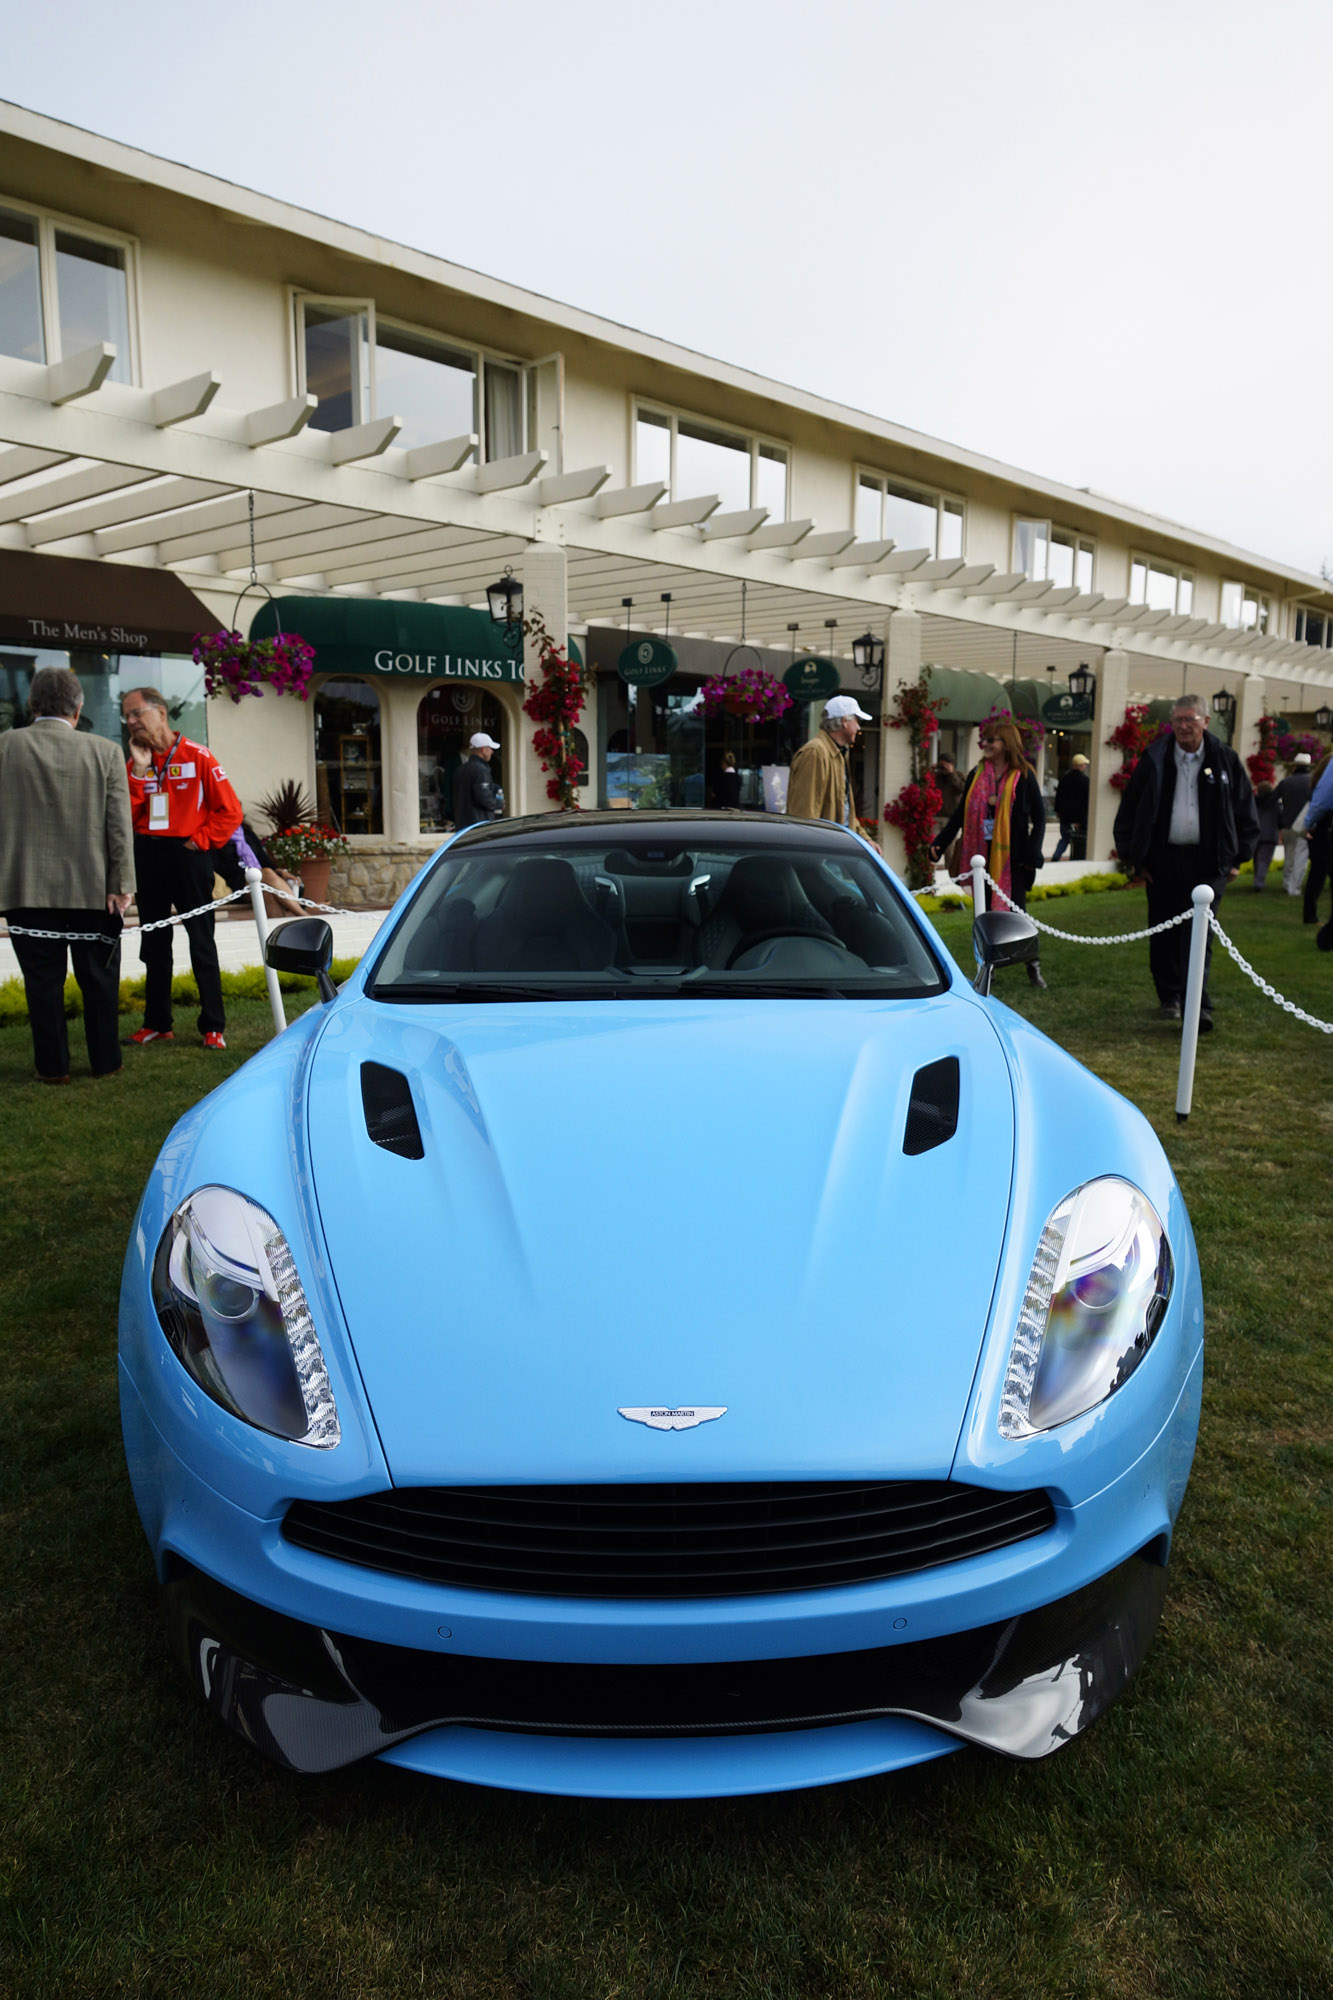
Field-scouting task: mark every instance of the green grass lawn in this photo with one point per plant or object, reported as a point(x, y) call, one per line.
point(1180, 1848)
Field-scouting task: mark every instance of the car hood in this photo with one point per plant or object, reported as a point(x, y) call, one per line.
point(664, 1205)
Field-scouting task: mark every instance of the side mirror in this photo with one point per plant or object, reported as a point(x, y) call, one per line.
point(303, 944)
point(1002, 937)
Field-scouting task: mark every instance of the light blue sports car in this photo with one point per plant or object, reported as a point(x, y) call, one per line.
point(659, 1331)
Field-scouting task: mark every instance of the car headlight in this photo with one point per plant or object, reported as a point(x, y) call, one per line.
point(1096, 1294)
point(232, 1305)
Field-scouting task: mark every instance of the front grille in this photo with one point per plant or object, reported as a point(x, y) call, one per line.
point(667, 1541)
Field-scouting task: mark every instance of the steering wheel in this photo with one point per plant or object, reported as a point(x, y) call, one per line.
point(753, 938)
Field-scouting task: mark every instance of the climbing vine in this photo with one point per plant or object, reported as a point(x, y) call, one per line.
point(555, 702)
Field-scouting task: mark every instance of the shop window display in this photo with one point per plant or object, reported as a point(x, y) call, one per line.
point(349, 768)
point(447, 716)
point(104, 678)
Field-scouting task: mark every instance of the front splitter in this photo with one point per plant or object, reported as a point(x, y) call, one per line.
point(315, 1701)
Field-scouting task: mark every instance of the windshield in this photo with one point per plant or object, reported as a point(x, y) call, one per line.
point(599, 910)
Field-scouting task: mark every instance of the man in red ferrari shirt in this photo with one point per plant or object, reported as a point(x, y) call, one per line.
point(182, 807)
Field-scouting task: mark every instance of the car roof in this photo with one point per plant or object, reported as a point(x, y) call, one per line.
point(690, 825)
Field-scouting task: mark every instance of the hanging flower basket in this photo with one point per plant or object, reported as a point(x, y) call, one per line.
point(236, 667)
point(751, 696)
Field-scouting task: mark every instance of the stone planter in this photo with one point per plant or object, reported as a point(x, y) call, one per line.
point(315, 880)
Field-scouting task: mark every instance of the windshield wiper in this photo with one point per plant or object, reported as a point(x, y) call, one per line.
point(442, 990)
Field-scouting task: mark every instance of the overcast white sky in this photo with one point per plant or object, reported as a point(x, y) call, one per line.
point(1092, 241)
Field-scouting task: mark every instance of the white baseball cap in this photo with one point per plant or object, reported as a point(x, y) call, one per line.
point(845, 704)
point(481, 741)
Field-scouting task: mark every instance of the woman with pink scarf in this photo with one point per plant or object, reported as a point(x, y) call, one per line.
point(1001, 815)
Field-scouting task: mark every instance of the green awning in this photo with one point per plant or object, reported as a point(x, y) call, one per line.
point(971, 697)
point(371, 635)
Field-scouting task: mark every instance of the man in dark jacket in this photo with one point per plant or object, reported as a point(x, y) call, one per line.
point(475, 797)
point(1071, 809)
point(1187, 817)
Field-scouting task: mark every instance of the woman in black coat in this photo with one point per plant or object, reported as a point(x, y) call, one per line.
point(1001, 815)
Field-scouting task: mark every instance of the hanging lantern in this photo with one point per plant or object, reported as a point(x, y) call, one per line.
point(1082, 684)
point(505, 600)
point(1224, 707)
point(1323, 719)
point(868, 654)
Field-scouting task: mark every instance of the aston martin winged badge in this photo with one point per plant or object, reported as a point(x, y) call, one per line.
point(674, 1420)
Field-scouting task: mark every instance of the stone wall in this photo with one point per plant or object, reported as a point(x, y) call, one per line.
point(371, 878)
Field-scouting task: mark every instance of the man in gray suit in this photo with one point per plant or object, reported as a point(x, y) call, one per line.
point(66, 864)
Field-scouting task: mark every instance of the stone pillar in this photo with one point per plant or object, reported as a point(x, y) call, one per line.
point(544, 592)
point(1250, 705)
point(1111, 693)
point(398, 749)
point(902, 664)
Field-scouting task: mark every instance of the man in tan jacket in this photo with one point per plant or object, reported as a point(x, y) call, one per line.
point(820, 785)
point(66, 864)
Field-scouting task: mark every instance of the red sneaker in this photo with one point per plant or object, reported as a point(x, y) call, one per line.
point(142, 1035)
point(213, 1040)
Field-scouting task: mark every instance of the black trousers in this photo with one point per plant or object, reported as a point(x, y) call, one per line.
point(171, 874)
point(42, 962)
point(1176, 872)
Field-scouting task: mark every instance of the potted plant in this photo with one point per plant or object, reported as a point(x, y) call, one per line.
point(286, 806)
point(310, 849)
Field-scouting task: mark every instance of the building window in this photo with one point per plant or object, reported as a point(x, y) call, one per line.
point(1315, 628)
point(692, 458)
point(1161, 586)
point(1246, 609)
point(362, 366)
point(911, 516)
point(447, 718)
point(349, 780)
point(1048, 554)
point(62, 290)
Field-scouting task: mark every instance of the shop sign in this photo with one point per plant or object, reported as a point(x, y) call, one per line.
point(647, 663)
point(1067, 711)
point(812, 679)
point(401, 641)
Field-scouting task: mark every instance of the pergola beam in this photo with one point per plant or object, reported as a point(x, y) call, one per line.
point(501, 475)
point(860, 555)
point(902, 562)
point(968, 577)
point(780, 534)
point(730, 527)
point(940, 571)
point(21, 460)
point(80, 374)
point(278, 421)
point(685, 513)
point(143, 504)
point(559, 488)
point(811, 547)
point(360, 441)
point(69, 488)
point(428, 461)
point(183, 400)
point(629, 499)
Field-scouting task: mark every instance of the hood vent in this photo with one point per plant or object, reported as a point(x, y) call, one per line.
point(932, 1115)
point(391, 1116)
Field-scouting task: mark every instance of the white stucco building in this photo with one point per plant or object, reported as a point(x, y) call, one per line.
point(171, 344)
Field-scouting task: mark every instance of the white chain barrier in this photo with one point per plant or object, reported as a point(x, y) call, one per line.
point(177, 917)
point(1270, 992)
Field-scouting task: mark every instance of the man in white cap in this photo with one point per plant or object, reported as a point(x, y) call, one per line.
point(820, 784)
point(476, 798)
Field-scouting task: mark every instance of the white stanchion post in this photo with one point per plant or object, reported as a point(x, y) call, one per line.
point(255, 882)
point(978, 866)
point(1189, 1038)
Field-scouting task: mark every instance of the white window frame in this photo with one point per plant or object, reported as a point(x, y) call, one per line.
point(1182, 572)
point(1265, 619)
point(672, 418)
point(1300, 612)
point(1078, 536)
point(927, 496)
point(478, 356)
point(48, 221)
